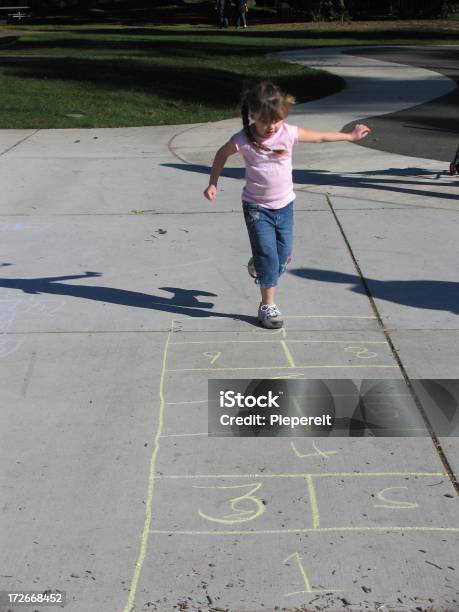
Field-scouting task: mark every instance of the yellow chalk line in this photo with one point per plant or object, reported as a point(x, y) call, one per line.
point(311, 591)
point(313, 500)
point(350, 340)
point(302, 367)
point(151, 479)
point(299, 475)
point(302, 530)
point(288, 354)
point(216, 435)
point(306, 580)
point(184, 435)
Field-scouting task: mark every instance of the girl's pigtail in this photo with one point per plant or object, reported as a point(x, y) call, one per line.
point(248, 130)
point(245, 121)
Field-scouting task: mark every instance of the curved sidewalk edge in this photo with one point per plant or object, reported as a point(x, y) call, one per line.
point(373, 88)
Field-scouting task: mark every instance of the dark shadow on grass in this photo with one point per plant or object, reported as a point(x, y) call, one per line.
point(376, 35)
point(153, 43)
point(181, 83)
point(156, 45)
point(186, 84)
point(314, 34)
point(363, 180)
point(227, 42)
point(428, 294)
point(7, 41)
point(183, 301)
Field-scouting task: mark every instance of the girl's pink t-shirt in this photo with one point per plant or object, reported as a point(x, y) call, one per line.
point(268, 175)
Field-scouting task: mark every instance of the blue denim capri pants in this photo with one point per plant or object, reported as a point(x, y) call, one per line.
point(271, 238)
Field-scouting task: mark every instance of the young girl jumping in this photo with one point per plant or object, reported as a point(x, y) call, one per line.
point(266, 143)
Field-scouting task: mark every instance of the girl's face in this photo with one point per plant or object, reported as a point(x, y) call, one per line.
point(265, 129)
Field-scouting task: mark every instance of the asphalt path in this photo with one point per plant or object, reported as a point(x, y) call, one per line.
point(429, 130)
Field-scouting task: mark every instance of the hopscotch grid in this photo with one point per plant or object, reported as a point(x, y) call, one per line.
point(287, 354)
point(147, 530)
point(291, 366)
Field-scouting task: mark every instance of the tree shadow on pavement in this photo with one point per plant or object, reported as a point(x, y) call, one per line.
point(429, 294)
point(183, 301)
point(364, 180)
point(236, 173)
point(368, 180)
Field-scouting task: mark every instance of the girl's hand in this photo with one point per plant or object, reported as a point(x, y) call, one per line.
point(211, 192)
point(360, 131)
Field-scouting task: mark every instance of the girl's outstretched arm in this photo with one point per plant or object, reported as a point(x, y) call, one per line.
point(359, 132)
point(219, 163)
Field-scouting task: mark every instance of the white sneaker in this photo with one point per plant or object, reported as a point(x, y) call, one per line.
point(270, 316)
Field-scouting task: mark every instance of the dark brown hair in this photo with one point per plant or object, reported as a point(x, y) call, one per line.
point(268, 100)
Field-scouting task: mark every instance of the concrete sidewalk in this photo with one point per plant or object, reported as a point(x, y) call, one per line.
point(123, 291)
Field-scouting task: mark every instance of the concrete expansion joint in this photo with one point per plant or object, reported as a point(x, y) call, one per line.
point(20, 142)
point(395, 354)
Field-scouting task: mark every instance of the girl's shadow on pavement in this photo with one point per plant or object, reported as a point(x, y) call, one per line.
point(183, 301)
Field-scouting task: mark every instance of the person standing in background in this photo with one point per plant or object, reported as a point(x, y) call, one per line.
point(241, 7)
point(222, 12)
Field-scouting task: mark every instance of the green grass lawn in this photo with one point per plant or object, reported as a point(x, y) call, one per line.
point(110, 75)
